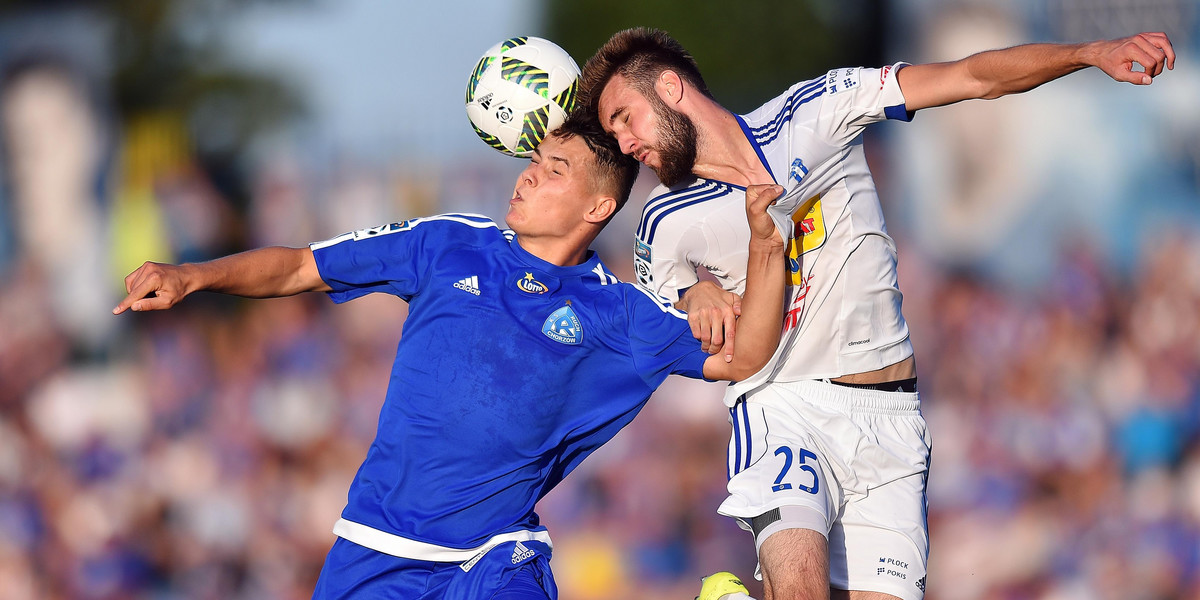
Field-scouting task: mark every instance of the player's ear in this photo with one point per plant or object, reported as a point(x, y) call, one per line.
point(669, 87)
point(602, 208)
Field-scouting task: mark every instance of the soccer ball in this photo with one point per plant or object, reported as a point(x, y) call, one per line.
point(521, 90)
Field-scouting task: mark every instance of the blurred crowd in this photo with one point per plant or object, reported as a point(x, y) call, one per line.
point(205, 452)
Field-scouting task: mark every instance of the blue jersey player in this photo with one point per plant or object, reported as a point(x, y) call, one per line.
point(521, 355)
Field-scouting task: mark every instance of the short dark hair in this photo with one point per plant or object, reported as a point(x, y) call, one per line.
point(613, 172)
point(640, 55)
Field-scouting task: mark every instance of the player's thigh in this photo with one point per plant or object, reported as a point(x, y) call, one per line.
point(881, 541)
point(795, 565)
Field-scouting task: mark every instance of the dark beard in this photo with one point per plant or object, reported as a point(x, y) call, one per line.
point(676, 143)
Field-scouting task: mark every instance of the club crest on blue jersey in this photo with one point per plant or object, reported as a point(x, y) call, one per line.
point(529, 284)
point(563, 327)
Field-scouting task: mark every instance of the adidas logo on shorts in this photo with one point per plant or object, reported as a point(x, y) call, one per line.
point(468, 284)
point(521, 553)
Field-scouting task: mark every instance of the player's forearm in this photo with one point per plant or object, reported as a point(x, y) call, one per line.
point(991, 74)
point(262, 273)
point(1022, 68)
point(759, 327)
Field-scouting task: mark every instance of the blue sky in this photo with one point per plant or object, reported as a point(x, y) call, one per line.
point(383, 78)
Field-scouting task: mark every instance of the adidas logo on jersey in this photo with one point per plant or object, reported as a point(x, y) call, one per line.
point(521, 553)
point(468, 284)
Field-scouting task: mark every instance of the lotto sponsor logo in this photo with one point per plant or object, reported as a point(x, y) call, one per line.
point(530, 285)
point(468, 284)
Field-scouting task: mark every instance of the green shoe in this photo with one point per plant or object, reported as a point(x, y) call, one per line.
point(717, 585)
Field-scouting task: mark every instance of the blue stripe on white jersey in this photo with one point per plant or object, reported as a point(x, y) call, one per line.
point(768, 132)
point(655, 204)
point(668, 203)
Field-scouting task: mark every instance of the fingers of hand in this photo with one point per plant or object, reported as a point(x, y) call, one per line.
point(1158, 44)
point(717, 335)
point(1143, 52)
point(139, 288)
point(729, 324)
point(695, 324)
point(761, 195)
point(1145, 56)
point(158, 302)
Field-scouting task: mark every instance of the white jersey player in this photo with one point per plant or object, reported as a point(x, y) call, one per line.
point(829, 454)
point(844, 301)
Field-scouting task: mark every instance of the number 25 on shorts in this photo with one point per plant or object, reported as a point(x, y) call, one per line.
point(780, 485)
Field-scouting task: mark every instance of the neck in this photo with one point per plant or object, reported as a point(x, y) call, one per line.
point(723, 152)
point(556, 251)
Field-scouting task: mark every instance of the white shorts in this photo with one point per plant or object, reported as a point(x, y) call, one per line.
point(847, 462)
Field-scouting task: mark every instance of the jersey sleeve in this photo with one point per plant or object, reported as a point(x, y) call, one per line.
point(660, 340)
point(853, 98)
point(666, 256)
point(389, 258)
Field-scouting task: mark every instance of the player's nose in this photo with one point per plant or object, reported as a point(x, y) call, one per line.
point(528, 177)
point(627, 143)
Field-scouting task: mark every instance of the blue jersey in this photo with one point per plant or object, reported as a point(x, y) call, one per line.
point(511, 370)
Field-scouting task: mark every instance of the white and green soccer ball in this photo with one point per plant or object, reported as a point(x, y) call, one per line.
point(521, 90)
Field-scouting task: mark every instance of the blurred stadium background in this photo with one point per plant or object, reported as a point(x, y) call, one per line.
point(1050, 256)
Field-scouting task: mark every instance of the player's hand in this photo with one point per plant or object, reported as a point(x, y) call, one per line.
point(1152, 51)
point(153, 286)
point(712, 314)
point(758, 198)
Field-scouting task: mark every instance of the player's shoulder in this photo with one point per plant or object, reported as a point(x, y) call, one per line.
point(784, 105)
point(682, 205)
point(459, 229)
point(433, 232)
point(464, 223)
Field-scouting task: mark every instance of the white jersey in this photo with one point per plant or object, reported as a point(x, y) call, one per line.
point(843, 306)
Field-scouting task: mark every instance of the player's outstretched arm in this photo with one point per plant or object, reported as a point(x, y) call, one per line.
point(760, 325)
point(997, 73)
point(263, 273)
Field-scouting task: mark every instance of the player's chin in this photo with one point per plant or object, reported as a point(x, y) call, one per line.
point(513, 218)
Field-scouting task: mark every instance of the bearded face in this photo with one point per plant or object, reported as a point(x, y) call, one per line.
point(676, 146)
